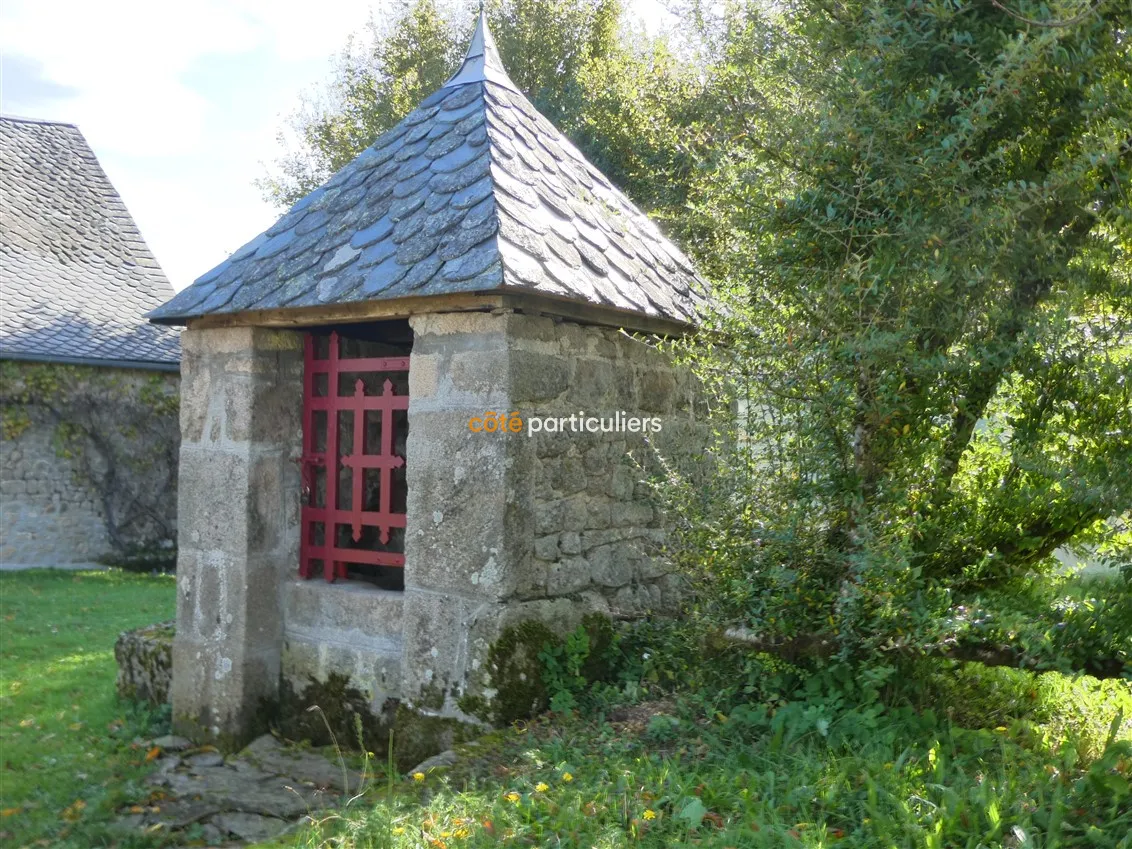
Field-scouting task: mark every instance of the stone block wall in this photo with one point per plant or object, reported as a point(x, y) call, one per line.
point(48, 514)
point(596, 530)
point(347, 628)
point(506, 527)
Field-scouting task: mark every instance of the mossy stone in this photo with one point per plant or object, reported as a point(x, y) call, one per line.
point(329, 712)
point(515, 672)
point(599, 663)
point(417, 736)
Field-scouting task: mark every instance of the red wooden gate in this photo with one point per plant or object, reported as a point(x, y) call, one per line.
point(353, 476)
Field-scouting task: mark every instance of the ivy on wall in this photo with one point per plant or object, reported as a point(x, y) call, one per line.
point(118, 428)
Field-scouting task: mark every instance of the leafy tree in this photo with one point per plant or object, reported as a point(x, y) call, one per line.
point(918, 215)
point(379, 79)
point(926, 217)
point(575, 59)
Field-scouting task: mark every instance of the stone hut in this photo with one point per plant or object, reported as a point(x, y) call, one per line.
point(350, 501)
point(76, 353)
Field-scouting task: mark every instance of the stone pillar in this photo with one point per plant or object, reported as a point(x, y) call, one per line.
point(456, 572)
point(238, 509)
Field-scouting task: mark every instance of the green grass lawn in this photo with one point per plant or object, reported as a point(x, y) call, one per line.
point(69, 750)
point(965, 756)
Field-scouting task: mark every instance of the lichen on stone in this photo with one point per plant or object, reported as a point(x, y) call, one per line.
point(145, 663)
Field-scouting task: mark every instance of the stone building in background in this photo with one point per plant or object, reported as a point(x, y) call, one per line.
point(76, 353)
point(350, 503)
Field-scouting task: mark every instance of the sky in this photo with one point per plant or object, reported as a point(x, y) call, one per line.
point(181, 102)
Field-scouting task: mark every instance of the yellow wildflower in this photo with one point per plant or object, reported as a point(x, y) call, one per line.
point(418, 776)
point(512, 797)
point(542, 787)
point(649, 814)
point(461, 833)
point(567, 776)
point(399, 829)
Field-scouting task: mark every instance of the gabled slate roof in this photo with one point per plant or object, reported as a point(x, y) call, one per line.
point(76, 277)
point(473, 192)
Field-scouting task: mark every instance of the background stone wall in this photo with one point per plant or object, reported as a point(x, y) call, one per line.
point(49, 515)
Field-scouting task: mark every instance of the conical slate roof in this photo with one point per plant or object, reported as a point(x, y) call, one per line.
point(473, 192)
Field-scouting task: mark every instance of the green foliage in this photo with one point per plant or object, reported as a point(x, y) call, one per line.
point(822, 768)
point(1049, 710)
point(562, 664)
point(513, 662)
point(120, 431)
point(926, 226)
point(1062, 624)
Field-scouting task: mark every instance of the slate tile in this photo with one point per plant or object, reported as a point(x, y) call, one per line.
point(462, 97)
point(592, 257)
point(421, 273)
point(275, 244)
point(455, 159)
point(453, 181)
point(406, 228)
point(416, 134)
point(480, 213)
point(412, 185)
point(411, 150)
point(444, 219)
point(458, 242)
point(478, 136)
point(416, 248)
point(382, 276)
point(526, 239)
point(371, 157)
point(304, 243)
point(473, 194)
point(564, 250)
point(316, 219)
point(446, 143)
point(437, 201)
point(404, 207)
point(377, 253)
point(380, 229)
point(520, 192)
point(469, 123)
point(472, 263)
point(421, 114)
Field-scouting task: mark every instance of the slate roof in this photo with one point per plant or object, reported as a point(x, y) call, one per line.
point(473, 192)
point(76, 277)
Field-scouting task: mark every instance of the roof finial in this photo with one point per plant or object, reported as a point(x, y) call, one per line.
point(482, 62)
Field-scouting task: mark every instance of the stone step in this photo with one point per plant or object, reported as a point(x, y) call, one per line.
point(343, 628)
point(343, 607)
